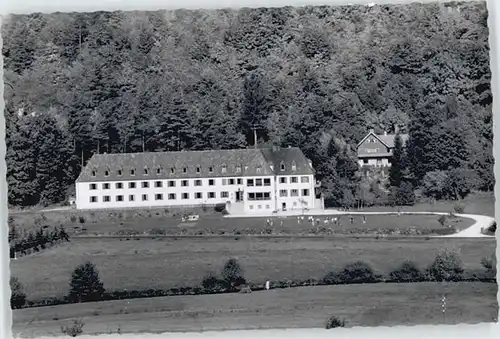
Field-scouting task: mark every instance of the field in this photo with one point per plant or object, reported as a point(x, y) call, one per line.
point(166, 262)
point(360, 305)
point(477, 203)
point(156, 221)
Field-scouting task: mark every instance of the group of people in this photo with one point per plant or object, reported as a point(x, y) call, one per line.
point(334, 220)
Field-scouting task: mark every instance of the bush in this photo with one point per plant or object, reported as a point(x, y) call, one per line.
point(334, 322)
point(73, 218)
point(73, 330)
point(446, 267)
point(331, 278)
point(357, 272)
point(210, 282)
point(85, 284)
point(81, 219)
point(442, 220)
point(220, 207)
point(17, 296)
point(458, 208)
point(490, 264)
point(407, 272)
point(232, 274)
point(403, 195)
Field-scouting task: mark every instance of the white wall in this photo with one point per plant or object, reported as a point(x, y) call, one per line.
point(84, 193)
point(294, 202)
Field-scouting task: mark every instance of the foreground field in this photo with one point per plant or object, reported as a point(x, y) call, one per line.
point(166, 262)
point(360, 305)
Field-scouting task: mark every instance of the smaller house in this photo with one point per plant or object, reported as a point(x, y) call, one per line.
point(375, 150)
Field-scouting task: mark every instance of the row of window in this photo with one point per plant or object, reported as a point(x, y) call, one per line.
point(294, 193)
point(159, 196)
point(198, 182)
point(160, 170)
point(252, 196)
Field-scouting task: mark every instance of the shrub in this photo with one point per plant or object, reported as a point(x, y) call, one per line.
point(442, 220)
point(17, 296)
point(210, 282)
point(357, 272)
point(232, 274)
point(331, 278)
point(407, 272)
point(490, 264)
point(73, 218)
point(446, 267)
point(458, 208)
point(220, 207)
point(73, 330)
point(85, 284)
point(81, 219)
point(334, 322)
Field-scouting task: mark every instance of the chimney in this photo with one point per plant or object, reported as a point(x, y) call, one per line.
point(385, 133)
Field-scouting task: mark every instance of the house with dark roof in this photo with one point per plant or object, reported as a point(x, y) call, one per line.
point(375, 150)
point(245, 180)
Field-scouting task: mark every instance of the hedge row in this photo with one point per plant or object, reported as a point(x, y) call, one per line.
point(317, 231)
point(447, 266)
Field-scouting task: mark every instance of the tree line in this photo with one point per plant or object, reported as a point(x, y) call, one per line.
point(314, 77)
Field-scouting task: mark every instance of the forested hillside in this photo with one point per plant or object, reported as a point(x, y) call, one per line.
point(313, 77)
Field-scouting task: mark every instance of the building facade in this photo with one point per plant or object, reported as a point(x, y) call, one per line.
point(375, 150)
point(245, 180)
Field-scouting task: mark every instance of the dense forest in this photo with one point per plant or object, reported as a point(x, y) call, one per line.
point(313, 77)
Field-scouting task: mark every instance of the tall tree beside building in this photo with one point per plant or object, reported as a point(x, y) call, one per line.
point(398, 166)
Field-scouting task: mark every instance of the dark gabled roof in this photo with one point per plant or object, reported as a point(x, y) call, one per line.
point(288, 157)
point(191, 164)
point(386, 139)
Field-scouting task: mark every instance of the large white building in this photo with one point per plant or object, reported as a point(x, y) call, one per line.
point(245, 180)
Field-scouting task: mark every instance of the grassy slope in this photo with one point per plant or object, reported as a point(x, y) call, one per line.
point(360, 305)
point(166, 263)
point(482, 203)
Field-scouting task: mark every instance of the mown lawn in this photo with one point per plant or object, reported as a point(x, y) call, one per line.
point(165, 262)
point(306, 307)
point(477, 203)
point(214, 223)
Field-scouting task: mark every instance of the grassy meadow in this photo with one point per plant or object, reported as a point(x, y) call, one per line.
point(307, 307)
point(140, 264)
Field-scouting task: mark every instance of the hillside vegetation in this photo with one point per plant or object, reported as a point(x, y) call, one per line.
point(313, 77)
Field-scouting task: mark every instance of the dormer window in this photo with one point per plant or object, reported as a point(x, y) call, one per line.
point(224, 168)
point(132, 171)
point(185, 170)
point(146, 171)
point(120, 172)
point(259, 169)
point(198, 169)
point(282, 166)
point(106, 172)
point(238, 169)
point(294, 166)
point(172, 170)
point(158, 170)
point(210, 169)
point(94, 173)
